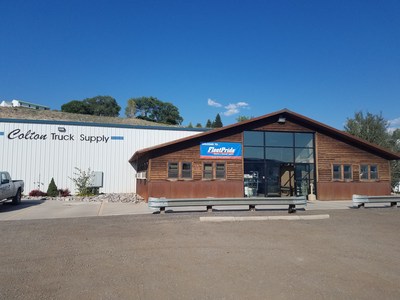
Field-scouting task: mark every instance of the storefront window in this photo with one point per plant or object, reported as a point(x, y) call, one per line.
point(279, 154)
point(254, 138)
point(279, 139)
point(254, 153)
point(282, 165)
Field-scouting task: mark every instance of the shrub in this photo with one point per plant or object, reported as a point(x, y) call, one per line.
point(52, 189)
point(83, 181)
point(37, 193)
point(64, 193)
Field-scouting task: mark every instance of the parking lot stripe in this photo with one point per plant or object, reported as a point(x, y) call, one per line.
point(101, 208)
point(263, 218)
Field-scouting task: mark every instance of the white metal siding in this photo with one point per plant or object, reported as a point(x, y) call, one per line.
point(30, 160)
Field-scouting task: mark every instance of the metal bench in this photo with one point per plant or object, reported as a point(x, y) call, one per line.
point(162, 203)
point(361, 200)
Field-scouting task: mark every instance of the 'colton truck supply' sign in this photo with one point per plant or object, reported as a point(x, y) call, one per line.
point(222, 150)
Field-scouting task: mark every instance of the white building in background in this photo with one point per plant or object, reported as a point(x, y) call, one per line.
point(20, 103)
point(36, 151)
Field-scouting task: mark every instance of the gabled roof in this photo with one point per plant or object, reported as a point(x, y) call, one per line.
point(297, 118)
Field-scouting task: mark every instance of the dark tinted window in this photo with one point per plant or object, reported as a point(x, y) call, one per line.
point(279, 154)
point(279, 139)
point(304, 140)
point(254, 152)
point(253, 138)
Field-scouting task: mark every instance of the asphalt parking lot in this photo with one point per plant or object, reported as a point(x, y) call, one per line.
point(354, 254)
point(50, 209)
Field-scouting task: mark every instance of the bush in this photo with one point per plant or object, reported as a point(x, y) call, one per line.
point(64, 193)
point(37, 193)
point(52, 189)
point(82, 182)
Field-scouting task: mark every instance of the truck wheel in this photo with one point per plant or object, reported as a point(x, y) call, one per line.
point(17, 199)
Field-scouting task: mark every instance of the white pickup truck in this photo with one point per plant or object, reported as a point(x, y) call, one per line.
point(10, 189)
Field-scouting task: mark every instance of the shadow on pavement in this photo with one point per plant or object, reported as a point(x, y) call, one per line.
point(8, 206)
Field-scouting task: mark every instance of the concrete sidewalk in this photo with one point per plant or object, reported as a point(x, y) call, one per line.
point(48, 209)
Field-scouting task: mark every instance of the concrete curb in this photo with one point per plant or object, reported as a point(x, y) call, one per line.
point(263, 218)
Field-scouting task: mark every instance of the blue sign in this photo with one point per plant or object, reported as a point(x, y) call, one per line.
point(221, 150)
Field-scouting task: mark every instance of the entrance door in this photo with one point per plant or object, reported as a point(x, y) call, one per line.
point(254, 180)
point(287, 180)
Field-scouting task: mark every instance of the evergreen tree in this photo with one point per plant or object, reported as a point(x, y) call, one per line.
point(217, 122)
point(208, 124)
point(198, 125)
point(190, 125)
point(52, 190)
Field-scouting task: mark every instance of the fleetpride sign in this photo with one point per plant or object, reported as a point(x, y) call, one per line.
point(221, 150)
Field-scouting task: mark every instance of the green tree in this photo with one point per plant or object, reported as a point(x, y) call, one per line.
point(374, 129)
point(152, 109)
point(208, 124)
point(395, 165)
point(217, 122)
point(103, 106)
point(52, 190)
point(190, 125)
point(97, 106)
point(198, 125)
point(77, 107)
point(243, 118)
point(130, 109)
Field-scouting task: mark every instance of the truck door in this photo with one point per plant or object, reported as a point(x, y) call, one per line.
point(5, 186)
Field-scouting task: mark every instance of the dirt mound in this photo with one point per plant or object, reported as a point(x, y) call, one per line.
point(34, 114)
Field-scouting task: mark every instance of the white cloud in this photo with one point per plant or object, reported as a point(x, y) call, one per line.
point(395, 123)
point(234, 108)
point(231, 108)
point(242, 104)
point(213, 103)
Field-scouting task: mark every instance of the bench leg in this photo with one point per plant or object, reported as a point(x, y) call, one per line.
point(393, 204)
point(162, 210)
point(209, 208)
point(292, 208)
point(252, 208)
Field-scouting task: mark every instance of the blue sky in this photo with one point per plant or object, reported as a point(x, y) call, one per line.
point(322, 59)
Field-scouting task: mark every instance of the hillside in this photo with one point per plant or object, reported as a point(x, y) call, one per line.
point(33, 114)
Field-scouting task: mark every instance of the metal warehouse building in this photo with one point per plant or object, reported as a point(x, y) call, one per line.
point(35, 151)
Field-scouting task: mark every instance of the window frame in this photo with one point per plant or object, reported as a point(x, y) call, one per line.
point(340, 172)
point(349, 172)
point(211, 173)
point(169, 164)
point(369, 172)
point(182, 171)
point(216, 170)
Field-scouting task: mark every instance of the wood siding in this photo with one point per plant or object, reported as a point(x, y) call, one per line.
point(195, 189)
point(332, 151)
point(287, 126)
point(328, 151)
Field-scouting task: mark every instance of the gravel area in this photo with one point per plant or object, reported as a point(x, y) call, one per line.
point(113, 197)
